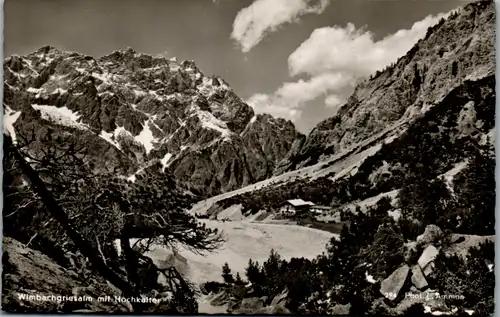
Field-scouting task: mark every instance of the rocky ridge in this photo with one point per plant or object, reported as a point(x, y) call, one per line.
point(136, 112)
point(459, 49)
point(426, 109)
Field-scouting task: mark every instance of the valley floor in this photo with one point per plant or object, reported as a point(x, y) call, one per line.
point(244, 241)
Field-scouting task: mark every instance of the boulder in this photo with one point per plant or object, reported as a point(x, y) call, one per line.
point(429, 269)
point(391, 286)
point(250, 305)
point(431, 234)
point(429, 254)
point(378, 308)
point(418, 278)
point(211, 287)
point(273, 310)
point(232, 305)
point(280, 299)
point(220, 299)
point(339, 310)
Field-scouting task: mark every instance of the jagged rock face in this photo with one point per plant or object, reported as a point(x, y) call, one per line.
point(267, 140)
point(133, 111)
point(460, 49)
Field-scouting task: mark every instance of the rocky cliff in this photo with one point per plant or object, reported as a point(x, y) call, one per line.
point(457, 50)
point(133, 111)
point(427, 110)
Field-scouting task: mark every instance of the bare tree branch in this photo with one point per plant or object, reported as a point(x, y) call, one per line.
point(53, 206)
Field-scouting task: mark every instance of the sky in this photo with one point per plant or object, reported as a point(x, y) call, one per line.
point(297, 59)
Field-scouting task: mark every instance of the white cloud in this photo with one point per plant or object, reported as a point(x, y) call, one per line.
point(334, 101)
point(290, 97)
point(262, 17)
point(335, 58)
point(262, 103)
point(307, 90)
point(354, 51)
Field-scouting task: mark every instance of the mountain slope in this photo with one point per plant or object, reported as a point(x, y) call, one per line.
point(427, 111)
point(458, 49)
point(137, 112)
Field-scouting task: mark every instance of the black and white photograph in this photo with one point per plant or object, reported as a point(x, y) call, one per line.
point(249, 157)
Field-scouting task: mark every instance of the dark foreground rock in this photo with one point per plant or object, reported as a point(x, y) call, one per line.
point(391, 286)
point(28, 272)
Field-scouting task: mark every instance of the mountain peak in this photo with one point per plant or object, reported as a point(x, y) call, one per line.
point(135, 109)
point(458, 49)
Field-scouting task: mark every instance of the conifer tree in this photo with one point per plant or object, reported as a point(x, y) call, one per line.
point(476, 193)
point(226, 274)
point(238, 280)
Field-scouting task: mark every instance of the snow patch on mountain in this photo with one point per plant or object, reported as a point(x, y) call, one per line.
point(36, 91)
point(9, 118)
point(109, 137)
point(155, 95)
point(209, 121)
point(122, 132)
point(105, 77)
point(488, 137)
point(81, 70)
point(57, 78)
point(29, 65)
point(118, 134)
point(146, 137)
point(62, 116)
point(164, 160)
point(138, 92)
point(152, 120)
point(59, 91)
